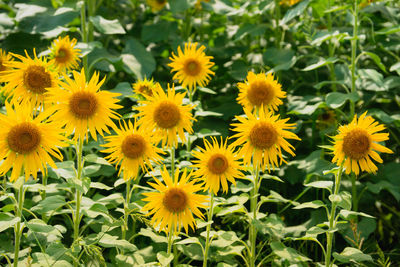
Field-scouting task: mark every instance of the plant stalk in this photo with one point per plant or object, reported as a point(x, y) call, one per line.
point(85, 37)
point(78, 193)
point(210, 215)
point(253, 211)
point(17, 228)
point(353, 58)
point(126, 209)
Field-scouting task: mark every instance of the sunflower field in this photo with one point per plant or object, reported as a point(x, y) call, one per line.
point(199, 133)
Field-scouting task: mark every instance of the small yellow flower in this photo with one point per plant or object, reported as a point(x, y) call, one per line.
point(216, 164)
point(157, 5)
point(81, 106)
point(5, 58)
point(356, 144)
point(133, 148)
point(263, 138)
point(145, 87)
point(289, 2)
point(27, 143)
point(192, 66)
point(260, 90)
point(28, 80)
point(175, 202)
point(165, 114)
point(64, 55)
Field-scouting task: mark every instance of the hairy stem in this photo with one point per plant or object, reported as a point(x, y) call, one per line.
point(210, 215)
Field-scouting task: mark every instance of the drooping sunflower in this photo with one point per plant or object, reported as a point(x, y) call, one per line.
point(27, 143)
point(28, 79)
point(164, 113)
point(64, 55)
point(81, 106)
point(216, 164)
point(145, 87)
point(356, 144)
point(175, 202)
point(157, 5)
point(5, 58)
point(260, 90)
point(263, 138)
point(133, 148)
point(192, 66)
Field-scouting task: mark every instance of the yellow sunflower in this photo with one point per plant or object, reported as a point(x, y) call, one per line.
point(260, 90)
point(133, 148)
point(145, 87)
point(192, 66)
point(28, 79)
point(27, 143)
point(165, 113)
point(81, 106)
point(289, 2)
point(157, 5)
point(5, 58)
point(216, 164)
point(64, 55)
point(175, 202)
point(263, 138)
point(356, 144)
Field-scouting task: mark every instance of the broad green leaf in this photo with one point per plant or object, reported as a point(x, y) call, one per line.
point(322, 62)
point(315, 204)
point(324, 35)
point(154, 236)
point(204, 113)
point(388, 30)
point(287, 253)
point(343, 199)
point(349, 214)
point(238, 70)
point(129, 260)
point(7, 220)
point(50, 203)
point(109, 241)
point(106, 26)
point(336, 100)
point(376, 59)
point(37, 225)
point(93, 158)
point(91, 169)
point(179, 5)
point(351, 254)
point(370, 79)
point(159, 31)
point(206, 90)
point(137, 60)
point(294, 12)
point(321, 184)
point(100, 186)
point(164, 258)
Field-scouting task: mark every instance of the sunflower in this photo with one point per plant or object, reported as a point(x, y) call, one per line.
point(260, 90)
point(5, 58)
point(82, 106)
point(165, 113)
point(289, 2)
point(64, 55)
point(28, 79)
point(175, 202)
point(216, 164)
point(356, 144)
point(26, 143)
point(132, 147)
point(192, 66)
point(157, 5)
point(145, 87)
point(263, 138)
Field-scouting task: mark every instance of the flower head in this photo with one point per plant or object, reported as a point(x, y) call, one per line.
point(192, 66)
point(5, 58)
point(27, 143)
point(260, 90)
point(217, 163)
point(133, 148)
point(356, 144)
point(145, 87)
point(175, 201)
point(157, 5)
point(82, 106)
point(263, 138)
point(64, 55)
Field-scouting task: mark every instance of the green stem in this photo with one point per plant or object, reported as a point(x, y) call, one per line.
point(126, 209)
point(353, 57)
point(173, 163)
point(277, 18)
point(44, 183)
point(354, 191)
point(17, 228)
point(331, 49)
point(253, 210)
point(91, 13)
point(210, 215)
point(85, 39)
point(170, 240)
point(332, 223)
point(188, 25)
point(78, 193)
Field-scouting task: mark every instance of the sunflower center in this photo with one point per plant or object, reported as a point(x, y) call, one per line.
point(23, 138)
point(356, 144)
point(218, 164)
point(175, 200)
point(62, 55)
point(192, 67)
point(260, 92)
point(133, 146)
point(167, 115)
point(161, 1)
point(36, 79)
point(263, 135)
point(83, 105)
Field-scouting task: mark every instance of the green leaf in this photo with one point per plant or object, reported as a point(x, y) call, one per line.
point(376, 59)
point(93, 158)
point(154, 236)
point(204, 113)
point(371, 80)
point(238, 70)
point(294, 12)
point(50, 203)
point(102, 186)
point(343, 200)
point(350, 254)
point(287, 253)
point(178, 5)
point(109, 241)
point(106, 26)
point(137, 60)
point(315, 204)
point(321, 184)
point(349, 214)
point(164, 258)
point(336, 100)
point(37, 225)
point(7, 220)
point(91, 169)
point(322, 62)
point(388, 30)
point(206, 90)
